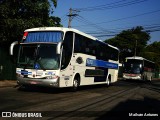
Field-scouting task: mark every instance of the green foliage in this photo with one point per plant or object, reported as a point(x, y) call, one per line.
point(18, 15)
point(152, 52)
point(54, 2)
point(54, 21)
point(127, 40)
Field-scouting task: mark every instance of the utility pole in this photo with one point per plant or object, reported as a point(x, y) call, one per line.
point(135, 51)
point(136, 42)
point(72, 14)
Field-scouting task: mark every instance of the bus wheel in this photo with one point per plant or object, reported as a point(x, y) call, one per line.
point(75, 84)
point(144, 78)
point(150, 79)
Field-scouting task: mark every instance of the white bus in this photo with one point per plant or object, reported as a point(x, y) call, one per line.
point(64, 57)
point(138, 68)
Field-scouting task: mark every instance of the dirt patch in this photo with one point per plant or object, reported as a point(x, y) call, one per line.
point(8, 83)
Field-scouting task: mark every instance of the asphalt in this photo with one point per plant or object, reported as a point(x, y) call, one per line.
point(13, 83)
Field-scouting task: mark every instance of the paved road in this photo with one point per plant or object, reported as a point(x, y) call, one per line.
point(124, 99)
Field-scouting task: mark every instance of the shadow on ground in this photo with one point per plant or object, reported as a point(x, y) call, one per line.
point(51, 90)
point(137, 109)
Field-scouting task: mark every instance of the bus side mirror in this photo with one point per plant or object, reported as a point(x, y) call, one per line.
point(12, 47)
point(58, 51)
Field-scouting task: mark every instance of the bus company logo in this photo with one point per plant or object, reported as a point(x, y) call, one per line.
point(6, 114)
point(89, 62)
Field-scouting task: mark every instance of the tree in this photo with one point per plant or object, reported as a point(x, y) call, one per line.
point(152, 52)
point(130, 42)
point(54, 21)
point(17, 15)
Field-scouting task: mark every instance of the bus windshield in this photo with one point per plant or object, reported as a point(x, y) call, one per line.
point(133, 66)
point(38, 56)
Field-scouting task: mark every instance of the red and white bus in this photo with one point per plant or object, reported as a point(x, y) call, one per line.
point(138, 68)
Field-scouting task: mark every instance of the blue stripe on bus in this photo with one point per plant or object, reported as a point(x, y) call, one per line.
point(24, 72)
point(101, 63)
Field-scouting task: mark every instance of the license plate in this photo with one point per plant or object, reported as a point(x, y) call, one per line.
point(132, 75)
point(33, 82)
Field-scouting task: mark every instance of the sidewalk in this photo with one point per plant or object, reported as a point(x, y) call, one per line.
point(8, 83)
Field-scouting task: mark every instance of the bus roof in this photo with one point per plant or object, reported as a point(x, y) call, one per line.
point(60, 29)
point(65, 30)
point(113, 47)
point(108, 44)
point(138, 58)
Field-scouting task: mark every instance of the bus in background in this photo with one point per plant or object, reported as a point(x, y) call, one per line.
point(64, 57)
point(138, 68)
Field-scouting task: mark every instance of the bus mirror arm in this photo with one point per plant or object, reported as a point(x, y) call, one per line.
point(12, 47)
point(58, 51)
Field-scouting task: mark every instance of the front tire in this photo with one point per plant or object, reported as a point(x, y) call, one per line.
point(150, 79)
point(75, 84)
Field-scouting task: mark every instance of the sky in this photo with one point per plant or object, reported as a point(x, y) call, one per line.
point(106, 18)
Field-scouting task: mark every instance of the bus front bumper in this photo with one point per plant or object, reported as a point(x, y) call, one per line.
point(132, 76)
point(38, 82)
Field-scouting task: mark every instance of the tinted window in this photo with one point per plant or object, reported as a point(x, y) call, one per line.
point(67, 49)
point(84, 45)
point(78, 44)
point(93, 47)
point(149, 65)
